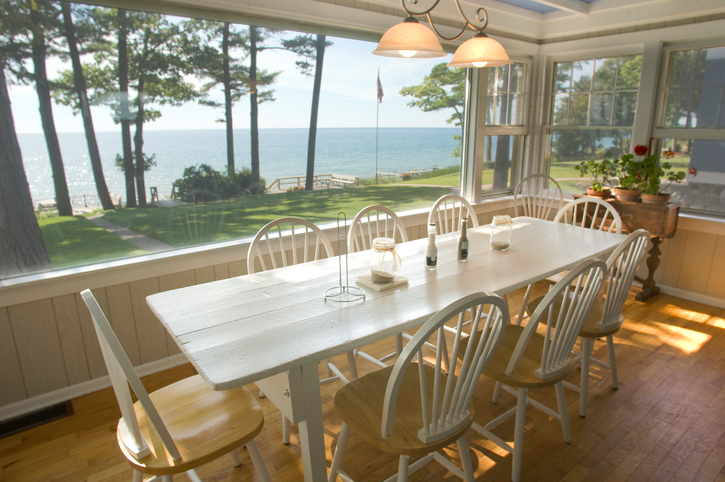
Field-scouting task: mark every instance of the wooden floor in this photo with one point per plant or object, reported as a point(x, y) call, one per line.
point(666, 421)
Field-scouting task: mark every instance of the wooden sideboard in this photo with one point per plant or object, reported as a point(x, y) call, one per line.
point(661, 222)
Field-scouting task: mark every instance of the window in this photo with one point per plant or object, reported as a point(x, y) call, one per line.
point(408, 140)
point(692, 125)
point(591, 112)
point(505, 127)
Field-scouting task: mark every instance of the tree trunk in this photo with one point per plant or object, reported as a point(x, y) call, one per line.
point(62, 199)
point(319, 58)
point(125, 113)
point(22, 248)
point(254, 111)
point(138, 147)
point(228, 100)
point(80, 86)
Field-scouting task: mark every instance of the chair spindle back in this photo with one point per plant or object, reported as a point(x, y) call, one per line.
point(448, 211)
point(374, 222)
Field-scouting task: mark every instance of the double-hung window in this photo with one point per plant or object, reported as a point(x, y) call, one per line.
point(691, 123)
point(592, 105)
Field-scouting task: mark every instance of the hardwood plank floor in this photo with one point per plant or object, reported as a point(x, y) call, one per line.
point(666, 421)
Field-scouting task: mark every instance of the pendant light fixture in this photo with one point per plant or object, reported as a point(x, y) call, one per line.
point(410, 39)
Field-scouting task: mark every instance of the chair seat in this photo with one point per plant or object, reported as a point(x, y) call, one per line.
point(524, 376)
point(589, 330)
point(205, 424)
point(360, 404)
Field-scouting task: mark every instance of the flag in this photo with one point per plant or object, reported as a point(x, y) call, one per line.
point(380, 90)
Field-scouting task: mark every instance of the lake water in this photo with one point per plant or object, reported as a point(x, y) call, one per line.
point(283, 153)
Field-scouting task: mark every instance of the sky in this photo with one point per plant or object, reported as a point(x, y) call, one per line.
point(348, 97)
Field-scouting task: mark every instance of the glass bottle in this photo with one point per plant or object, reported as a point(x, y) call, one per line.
point(383, 263)
point(431, 252)
point(501, 229)
point(463, 241)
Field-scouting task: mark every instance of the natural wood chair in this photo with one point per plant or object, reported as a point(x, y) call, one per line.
point(448, 211)
point(528, 359)
point(305, 242)
point(413, 409)
point(537, 196)
point(370, 223)
point(605, 318)
point(199, 424)
point(586, 212)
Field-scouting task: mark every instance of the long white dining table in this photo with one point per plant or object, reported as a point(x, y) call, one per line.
point(278, 323)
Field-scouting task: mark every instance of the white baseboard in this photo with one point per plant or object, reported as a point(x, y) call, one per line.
point(64, 394)
point(688, 295)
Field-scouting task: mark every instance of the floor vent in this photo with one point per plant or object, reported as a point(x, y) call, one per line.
point(34, 419)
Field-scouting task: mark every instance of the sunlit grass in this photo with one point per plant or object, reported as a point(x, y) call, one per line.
point(73, 241)
point(194, 224)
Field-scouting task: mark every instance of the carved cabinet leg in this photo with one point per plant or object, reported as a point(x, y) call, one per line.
point(649, 288)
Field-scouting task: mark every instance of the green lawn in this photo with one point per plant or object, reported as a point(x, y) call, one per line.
point(73, 241)
point(452, 180)
point(194, 224)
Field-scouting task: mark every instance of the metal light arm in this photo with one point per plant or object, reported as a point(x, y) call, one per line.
point(481, 16)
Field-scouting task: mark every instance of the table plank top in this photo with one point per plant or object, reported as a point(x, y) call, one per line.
point(239, 330)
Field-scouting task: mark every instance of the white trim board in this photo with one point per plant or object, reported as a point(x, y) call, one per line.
point(64, 394)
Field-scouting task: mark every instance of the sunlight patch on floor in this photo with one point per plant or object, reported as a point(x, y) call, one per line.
point(689, 315)
point(689, 341)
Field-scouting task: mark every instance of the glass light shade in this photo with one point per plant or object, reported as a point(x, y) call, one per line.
point(410, 39)
point(480, 51)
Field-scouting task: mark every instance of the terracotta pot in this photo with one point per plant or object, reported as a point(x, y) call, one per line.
point(604, 193)
point(655, 198)
point(629, 195)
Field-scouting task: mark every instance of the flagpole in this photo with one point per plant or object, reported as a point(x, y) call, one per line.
point(377, 122)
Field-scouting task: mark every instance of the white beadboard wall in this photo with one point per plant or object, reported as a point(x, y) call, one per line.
point(48, 347)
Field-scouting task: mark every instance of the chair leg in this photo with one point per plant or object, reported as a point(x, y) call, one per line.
point(258, 461)
point(519, 434)
point(339, 450)
point(137, 476)
point(563, 414)
point(235, 458)
point(496, 392)
point(351, 364)
point(403, 463)
point(586, 353)
point(525, 302)
point(612, 362)
point(167, 478)
point(327, 368)
point(466, 460)
point(399, 344)
point(285, 430)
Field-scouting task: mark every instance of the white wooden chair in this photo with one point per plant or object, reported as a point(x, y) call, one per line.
point(305, 242)
point(592, 213)
point(586, 212)
point(448, 211)
point(537, 196)
point(370, 223)
point(198, 425)
point(414, 409)
point(605, 318)
point(527, 359)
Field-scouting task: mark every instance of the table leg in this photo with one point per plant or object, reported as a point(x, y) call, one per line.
point(312, 436)
point(649, 288)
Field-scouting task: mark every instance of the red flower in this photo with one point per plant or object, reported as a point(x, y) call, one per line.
point(692, 171)
point(668, 154)
point(640, 150)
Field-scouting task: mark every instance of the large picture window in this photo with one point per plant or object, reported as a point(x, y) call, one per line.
point(201, 147)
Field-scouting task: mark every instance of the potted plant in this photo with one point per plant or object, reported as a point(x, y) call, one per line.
point(629, 173)
point(601, 172)
point(652, 172)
